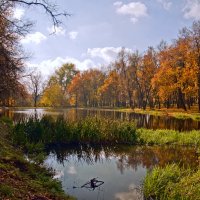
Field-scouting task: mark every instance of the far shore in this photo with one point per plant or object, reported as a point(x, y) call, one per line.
point(172, 112)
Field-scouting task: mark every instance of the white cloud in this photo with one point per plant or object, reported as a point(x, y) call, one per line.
point(108, 54)
point(36, 38)
point(117, 3)
point(133, 20)
point(48, 67)
point(89, 61)
point(57, 30)
point(18, 13)
point(73, 35)
point(165, 3)
point(192, 9)
point(135, 10)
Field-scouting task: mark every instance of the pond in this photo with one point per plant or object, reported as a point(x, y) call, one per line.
point(121, 169)
point(111, 172)
point(141, 120)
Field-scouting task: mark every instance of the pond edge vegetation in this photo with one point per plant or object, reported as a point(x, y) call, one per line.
point(94, 130)
point(21, 179)
point(172, 182)
point(34, 136)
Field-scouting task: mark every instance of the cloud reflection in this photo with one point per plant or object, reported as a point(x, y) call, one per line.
point(71, 170)
point(132, 194)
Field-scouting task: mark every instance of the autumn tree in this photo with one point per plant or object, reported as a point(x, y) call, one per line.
point(84, 87)
point(144, 77)
point(125, 66)
point(75, 90)
point(193, 36)
point(64, 75)
point(109, 91)
point(52, 96)
point(57, 85)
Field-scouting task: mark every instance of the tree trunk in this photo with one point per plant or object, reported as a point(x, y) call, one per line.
point(35, 101)
point(181, 99)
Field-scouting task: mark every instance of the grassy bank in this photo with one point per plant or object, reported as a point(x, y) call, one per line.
point(168, 137)
point(172, 182)
point(176, 113)
point(20, 179)
point(34, 135)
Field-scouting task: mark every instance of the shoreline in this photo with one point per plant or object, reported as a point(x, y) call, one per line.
point(175, 113)
point(20, 179)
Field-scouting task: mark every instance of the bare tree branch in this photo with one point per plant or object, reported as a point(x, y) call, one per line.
point(50, 9)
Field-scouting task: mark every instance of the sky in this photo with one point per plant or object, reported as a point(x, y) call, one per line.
point(97, 30)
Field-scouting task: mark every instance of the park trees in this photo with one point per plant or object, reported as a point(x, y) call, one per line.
point(12, 56)
point(109, 92)
point(126, 66)
point(192, 35)
point(83, 89)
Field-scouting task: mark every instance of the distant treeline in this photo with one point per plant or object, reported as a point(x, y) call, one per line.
point(166, 76)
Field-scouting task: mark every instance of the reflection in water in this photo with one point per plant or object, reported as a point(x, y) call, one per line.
point(141, 120)
point(121, 168)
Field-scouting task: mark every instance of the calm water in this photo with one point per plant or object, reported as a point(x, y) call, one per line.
point(141, 120)
point(122, 169)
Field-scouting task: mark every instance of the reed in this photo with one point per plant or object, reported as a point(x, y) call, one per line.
point(88, 131)
point(172, 183)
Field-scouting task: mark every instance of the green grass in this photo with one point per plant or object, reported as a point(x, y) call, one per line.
point(20, 179)
point(5, 190)
point(172, 183)
point(170, 137)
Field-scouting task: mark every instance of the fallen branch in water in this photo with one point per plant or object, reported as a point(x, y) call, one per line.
point(93, 183)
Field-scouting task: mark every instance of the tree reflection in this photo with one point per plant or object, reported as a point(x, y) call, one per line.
point(128, 157)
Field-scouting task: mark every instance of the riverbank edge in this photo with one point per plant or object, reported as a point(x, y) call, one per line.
point(176, 113)
point(145, 136)
point(20, 179)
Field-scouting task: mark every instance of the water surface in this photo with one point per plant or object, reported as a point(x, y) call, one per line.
point(141, 120)
point(122, 169)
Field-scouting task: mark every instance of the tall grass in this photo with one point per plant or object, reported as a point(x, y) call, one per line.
point(172, 183)
point(36, 133)
point(87, 131)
